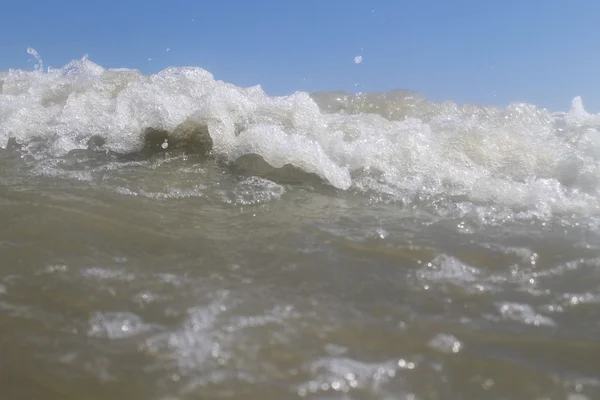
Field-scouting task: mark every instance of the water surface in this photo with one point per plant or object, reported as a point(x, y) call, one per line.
point(176, 237)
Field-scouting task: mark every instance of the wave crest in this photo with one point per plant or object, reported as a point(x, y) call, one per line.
point(395, 144)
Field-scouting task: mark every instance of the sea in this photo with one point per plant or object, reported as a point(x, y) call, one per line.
point(176, 237)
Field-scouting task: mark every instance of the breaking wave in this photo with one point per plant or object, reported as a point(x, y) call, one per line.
point(395, 145)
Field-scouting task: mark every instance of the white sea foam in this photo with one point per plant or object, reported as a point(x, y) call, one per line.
point(391, 144)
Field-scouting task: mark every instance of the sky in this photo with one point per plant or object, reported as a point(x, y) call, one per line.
point(470, 51)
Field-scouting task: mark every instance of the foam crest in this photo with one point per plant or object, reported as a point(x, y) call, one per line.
point(395, 145)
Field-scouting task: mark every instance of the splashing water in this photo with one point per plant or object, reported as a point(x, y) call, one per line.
point(40, 65)
point(395, 145)
point(172, 236)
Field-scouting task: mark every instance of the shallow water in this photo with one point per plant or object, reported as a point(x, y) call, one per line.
point(373, 246)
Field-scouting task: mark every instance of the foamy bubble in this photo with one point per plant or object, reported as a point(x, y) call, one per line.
point(256, 190)
point(395, 145)
point(525, 314)
point(446, 343)
point(100, 273)
point(345, 374)
point(445, 270)
point(117, 325)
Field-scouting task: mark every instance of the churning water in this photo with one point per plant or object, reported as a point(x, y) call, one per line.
point(176, 237)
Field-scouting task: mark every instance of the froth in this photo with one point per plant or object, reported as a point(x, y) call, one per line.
point(396, 145)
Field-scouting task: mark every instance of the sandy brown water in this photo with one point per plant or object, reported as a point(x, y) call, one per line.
point(179, 277)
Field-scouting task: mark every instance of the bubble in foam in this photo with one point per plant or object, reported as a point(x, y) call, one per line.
point(446, 343)
point(394, 146)
point(118, 325)
point(525, 314)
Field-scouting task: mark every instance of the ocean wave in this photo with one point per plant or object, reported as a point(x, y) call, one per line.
point(395, 144)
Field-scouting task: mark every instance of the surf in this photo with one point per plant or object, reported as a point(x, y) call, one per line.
point(395, 146)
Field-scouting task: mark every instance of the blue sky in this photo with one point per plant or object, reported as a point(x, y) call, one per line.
point(471, 51)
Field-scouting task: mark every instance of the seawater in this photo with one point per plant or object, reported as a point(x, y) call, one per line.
point(172, 236)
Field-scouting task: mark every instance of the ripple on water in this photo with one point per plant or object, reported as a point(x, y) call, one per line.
point(446, 343)
point(191, 347)
point(447, 270)
point(107, 274)
point(254, 190)
point(333, 374)
point(116, 325)
point(524, 313)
